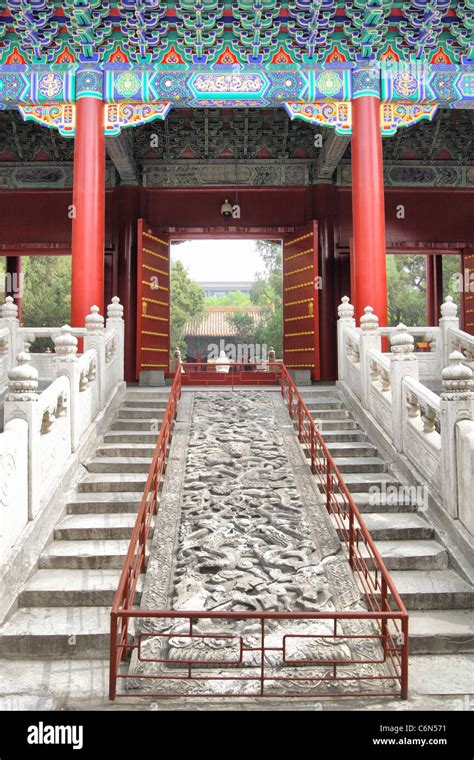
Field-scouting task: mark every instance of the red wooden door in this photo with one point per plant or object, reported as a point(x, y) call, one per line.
point(467, 301)
point(301, 300)
point(153, 300)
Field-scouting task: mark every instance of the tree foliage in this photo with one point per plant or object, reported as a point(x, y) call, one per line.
point(452, 278)
point(244, 326)
point(46, 300)
point(267, 292)
point(236, 298)
point(187, 302)
point(406, 284)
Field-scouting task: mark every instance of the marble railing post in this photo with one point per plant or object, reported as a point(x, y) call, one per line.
point(345, 312)
point(177, 360)
point(95, 339)
point(403, 363)
point(115, 321)
point(21, 402)
point(465, 472)
point(449, 319)
point(66, 349)
point(9, 319)
point(457, 404)
point(369, 338)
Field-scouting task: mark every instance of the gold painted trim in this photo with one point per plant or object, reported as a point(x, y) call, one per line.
point(152, 237)
point(295, 287)
point(154, 269)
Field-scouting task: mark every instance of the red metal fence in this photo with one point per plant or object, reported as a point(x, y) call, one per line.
point(231, 374)
point(251, 670)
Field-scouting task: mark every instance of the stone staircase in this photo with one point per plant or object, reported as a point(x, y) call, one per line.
point(64, 609)
point(440, 602)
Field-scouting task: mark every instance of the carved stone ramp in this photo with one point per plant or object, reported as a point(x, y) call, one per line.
point(242, 527)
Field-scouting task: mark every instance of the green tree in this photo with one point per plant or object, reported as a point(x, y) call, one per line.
point(451, 278)
point(267, 292)
point(236, 298)
point(187, 302)
point(406, 284)
point(46, 300)
point(244, 326)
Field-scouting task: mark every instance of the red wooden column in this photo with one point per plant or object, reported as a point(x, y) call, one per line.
point(434, 287)
point(13, 281)
point(127, 212)
point(88, 222)
point(368, 207)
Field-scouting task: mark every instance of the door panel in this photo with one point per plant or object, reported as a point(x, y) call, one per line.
point(467, 320)
point(301, 300)
point(153, 300)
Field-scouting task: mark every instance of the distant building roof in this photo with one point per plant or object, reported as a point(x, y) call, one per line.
point(234, 285)
point(215, 324)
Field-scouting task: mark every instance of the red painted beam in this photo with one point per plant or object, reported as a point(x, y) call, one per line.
point(368, 210)
point(88, 223)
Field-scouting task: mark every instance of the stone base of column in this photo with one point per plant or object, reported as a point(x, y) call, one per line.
point(301, 376)
point(154, 378)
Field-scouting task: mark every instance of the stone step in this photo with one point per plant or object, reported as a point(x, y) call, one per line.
point(360, 464)
point(161, 394)
point(319, 393)
point(117, 464)
point(351, 449)
point(410, 555)
point(398, 527)
point(134, 403)
point(144, 450)
point(330, 414)
point(49, 632)
point(150, 425)
point(368, 503)
point(343, 436)
point(74, 588)
point(131, 436)
point(363, 482)
point(441, 631)
point(436, 590)
point(339, 425)
point(88, 503)
point(140, 413)
point(113, 481)
point(330, 403)
point(91, 554)
point(95, 526)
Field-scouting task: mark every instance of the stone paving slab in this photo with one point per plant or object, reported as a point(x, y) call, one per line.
point(82, 685)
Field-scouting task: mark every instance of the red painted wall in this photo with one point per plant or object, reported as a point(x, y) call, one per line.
point(260, 207)
point(430, 215)
point(41, 216)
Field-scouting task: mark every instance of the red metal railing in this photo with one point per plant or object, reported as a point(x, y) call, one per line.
point(385, 621)
point(231, 373)
point(135, 560)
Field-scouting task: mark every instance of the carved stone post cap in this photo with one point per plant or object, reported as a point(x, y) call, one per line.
point(449, 308)
point(22, 379)
point(95, 321)
point(65, 343)
point(115, 309)
point(9, 309)
point(401, 342)
point(177, 352)
point(457, 377)
point(369, 322)
point(345, 310)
